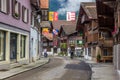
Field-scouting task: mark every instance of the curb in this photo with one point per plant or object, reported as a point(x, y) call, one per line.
point(42, 64)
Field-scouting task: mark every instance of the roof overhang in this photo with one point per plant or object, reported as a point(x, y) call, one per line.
point(105, 13)
point(36, 6)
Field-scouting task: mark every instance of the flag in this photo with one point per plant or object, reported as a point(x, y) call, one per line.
point(71, 16)
point(55, 32)
point(51, 15)
point(55, 16)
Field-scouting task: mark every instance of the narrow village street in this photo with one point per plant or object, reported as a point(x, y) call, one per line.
point(59, 39)
point(57, 69)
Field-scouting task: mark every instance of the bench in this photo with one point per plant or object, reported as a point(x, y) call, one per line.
point(106, 58)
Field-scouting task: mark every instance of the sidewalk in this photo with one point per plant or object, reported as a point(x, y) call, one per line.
point(102, 71)
point(14, 71)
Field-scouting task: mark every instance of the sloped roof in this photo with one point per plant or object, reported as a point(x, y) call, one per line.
point(59, 23)
point(44, 4)
point(90, 9)
point(45, 24)
point(69, 29)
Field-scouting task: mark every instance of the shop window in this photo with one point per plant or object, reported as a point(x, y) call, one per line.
point(25, 14)
point(2, 45)
point(22, 46)
point(4, 6)
point(16, 9)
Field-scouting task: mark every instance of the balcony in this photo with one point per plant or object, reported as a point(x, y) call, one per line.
point(106, 43)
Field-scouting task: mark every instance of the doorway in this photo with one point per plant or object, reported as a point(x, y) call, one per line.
point(13, 47)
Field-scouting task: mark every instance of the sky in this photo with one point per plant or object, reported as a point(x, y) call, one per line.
point(63, 6)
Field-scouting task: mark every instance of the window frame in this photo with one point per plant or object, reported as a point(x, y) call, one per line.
point(44, 15)
point(7, 7)
point(14, 14)
point(23, 14)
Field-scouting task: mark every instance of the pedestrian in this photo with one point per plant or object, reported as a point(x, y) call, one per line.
point(45, 53)
point(71, 54)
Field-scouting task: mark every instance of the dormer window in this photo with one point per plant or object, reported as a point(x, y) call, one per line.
point(16, 9)
point(4, 6)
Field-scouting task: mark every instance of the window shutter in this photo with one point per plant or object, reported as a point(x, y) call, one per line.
point(19, 9)
point(0, 5)
point(8, 6)
point(13, 7)
point(23, 9)
point(27, 16)
point(31, 18)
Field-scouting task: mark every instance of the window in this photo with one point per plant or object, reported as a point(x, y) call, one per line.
point(32, 20)
point(105, 52)
point(89, 51)
point(22, 46)
point(44, 15)
point(4, 6)
point(2, 45)
point(16, 9)
point(24, 14)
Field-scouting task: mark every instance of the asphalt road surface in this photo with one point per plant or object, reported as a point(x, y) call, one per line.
point(59, 68)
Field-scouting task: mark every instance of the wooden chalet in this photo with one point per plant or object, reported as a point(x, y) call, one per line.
point(116, 35)
point(47, 36)
point(56, 25)
point(87, 22)
point(69, 38)
point(105, 14)
point(97, 37)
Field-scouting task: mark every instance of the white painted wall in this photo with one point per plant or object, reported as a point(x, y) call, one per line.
point(34, 44)
point(86, 56)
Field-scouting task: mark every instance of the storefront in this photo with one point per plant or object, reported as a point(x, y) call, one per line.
point(14, 46)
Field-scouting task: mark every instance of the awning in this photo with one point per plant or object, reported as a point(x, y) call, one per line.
point(49, 36)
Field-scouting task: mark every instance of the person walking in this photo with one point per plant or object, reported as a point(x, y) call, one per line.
point(71, 54)
point(45, 53)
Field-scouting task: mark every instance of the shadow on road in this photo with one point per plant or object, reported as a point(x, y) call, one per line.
point(82, 66)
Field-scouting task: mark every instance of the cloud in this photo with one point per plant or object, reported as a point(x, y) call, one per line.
point(69, 5)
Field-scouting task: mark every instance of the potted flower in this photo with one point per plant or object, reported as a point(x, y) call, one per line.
point(98, 57)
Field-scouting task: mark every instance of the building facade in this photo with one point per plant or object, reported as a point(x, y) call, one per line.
point(14, 32)
point(56, 25)
point(97, 38)
point(116, 37)
point(70, 40)
point(35, 39)
point(87, 24)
